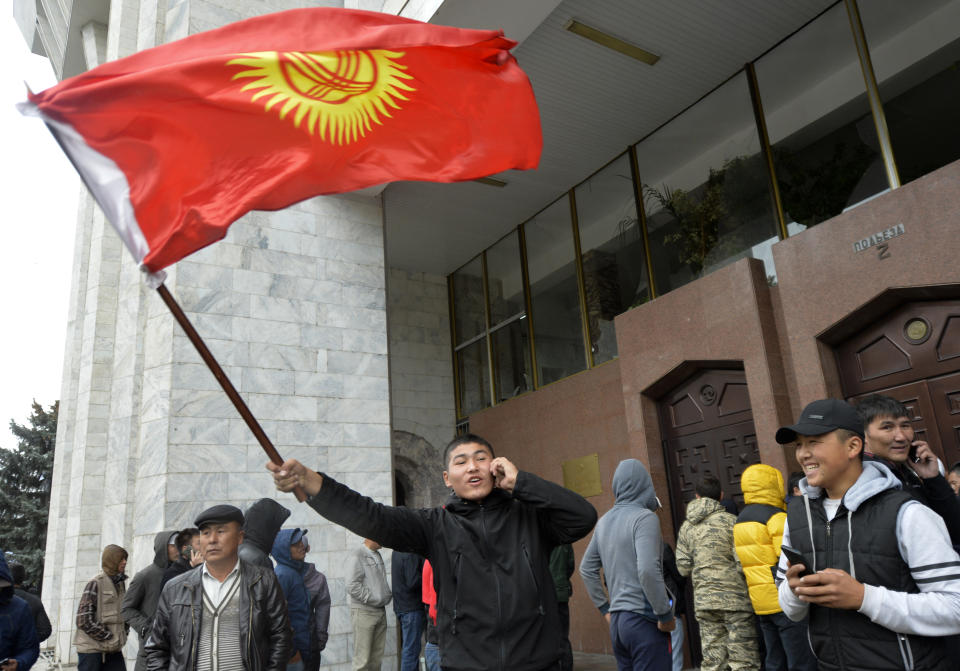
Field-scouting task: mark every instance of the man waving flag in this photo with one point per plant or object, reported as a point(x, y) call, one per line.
point(179, 141)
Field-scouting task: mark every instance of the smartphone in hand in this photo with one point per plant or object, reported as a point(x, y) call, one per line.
point(797, 557)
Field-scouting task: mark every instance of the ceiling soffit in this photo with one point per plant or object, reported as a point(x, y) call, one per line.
point(594, 102)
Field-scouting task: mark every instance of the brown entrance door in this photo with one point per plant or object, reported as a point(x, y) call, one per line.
point(707, 427)
point(913, 355)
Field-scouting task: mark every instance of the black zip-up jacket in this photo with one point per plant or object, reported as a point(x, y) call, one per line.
point(266, 638)
point(497, 608)
point(935, 493)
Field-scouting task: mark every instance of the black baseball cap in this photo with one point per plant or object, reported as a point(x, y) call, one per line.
point(219, 515)
point(822, 417)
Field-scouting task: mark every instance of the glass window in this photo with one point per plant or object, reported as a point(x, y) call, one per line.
point(511, 359)
point(611, 243)
point(825, 148)
point(468, 307)
point(474, 377)
point(511, 343)
point(554, 294)
point(705, 189)
point(505, 280)
point(915, 50)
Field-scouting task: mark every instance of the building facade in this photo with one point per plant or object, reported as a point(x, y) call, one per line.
point(764, 215)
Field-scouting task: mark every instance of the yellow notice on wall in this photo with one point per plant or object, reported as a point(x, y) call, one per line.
point(582, 475)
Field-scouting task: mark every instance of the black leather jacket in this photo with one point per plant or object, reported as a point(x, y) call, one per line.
point(266, 638)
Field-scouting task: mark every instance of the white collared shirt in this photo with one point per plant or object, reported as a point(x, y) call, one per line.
point(213, 588)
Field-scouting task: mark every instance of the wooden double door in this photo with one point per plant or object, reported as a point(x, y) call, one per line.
point(707, 427)
point(913, 355)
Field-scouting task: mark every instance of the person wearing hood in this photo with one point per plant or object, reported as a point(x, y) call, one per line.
point(188, 555)
point(319, 594)
point(101, 631)
point(626, 545)
point(19, 647)
point(19, 573)
point(489, 547)
point(757, 536)
point(728, 633)
point(289, 549)
point(261, 523)
point(883, 588)
point(140, 600)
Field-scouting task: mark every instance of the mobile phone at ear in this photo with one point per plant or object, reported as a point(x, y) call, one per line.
point(912, 454)
point(797, 557)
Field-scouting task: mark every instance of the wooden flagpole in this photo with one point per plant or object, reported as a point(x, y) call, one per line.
point(201, 346)
point(224, 381)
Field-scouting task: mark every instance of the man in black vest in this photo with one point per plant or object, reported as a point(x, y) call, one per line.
point(885, 583)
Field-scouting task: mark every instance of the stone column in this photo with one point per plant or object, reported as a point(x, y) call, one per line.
point(421, 382)
point(292, 304)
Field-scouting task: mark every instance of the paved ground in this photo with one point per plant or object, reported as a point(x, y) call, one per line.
point(583, 661)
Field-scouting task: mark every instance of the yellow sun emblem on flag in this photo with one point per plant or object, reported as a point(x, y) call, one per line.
point(340, 94)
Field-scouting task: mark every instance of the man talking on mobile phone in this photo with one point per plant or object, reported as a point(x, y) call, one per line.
point(890, 439)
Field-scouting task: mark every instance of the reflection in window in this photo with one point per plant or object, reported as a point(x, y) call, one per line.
point(474, 377)
point(825, 148)
point(554, 294)
point(511, 359)
point(510, 335)
point(505, 280)
point(468, 308)
point(915, 61)
point(614, 267)
point(705, 189)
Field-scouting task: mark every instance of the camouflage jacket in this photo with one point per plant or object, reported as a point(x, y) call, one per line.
point(705, 549)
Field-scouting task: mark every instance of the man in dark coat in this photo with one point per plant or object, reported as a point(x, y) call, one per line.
point(489, 547)
point(40, 618)
point(406, 571)
point(562, 565)
point(227, 614)
point(261, 523)
point(188, 555)
point(140, 600)
point(18, 634)
point(289, 549)
point(889, 439)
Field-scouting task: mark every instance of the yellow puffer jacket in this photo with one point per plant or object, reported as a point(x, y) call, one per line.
point(758, 533)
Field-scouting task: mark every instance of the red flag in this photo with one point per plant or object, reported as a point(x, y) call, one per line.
point(179, 141)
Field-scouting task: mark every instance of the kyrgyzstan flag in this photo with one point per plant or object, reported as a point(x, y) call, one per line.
point(179, 141)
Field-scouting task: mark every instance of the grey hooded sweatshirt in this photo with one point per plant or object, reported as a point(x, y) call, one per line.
point(141, 597)
point(626, 544)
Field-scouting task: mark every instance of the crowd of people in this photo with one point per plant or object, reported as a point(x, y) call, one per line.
point(786, 584)
point(852, 565)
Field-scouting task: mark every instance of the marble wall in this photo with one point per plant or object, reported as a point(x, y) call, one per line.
point(292, 304)
point(421, 382)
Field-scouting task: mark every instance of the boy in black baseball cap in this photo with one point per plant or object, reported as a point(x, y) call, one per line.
point(885, 581)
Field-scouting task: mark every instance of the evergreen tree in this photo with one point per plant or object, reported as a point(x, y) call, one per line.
point(25, 475)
